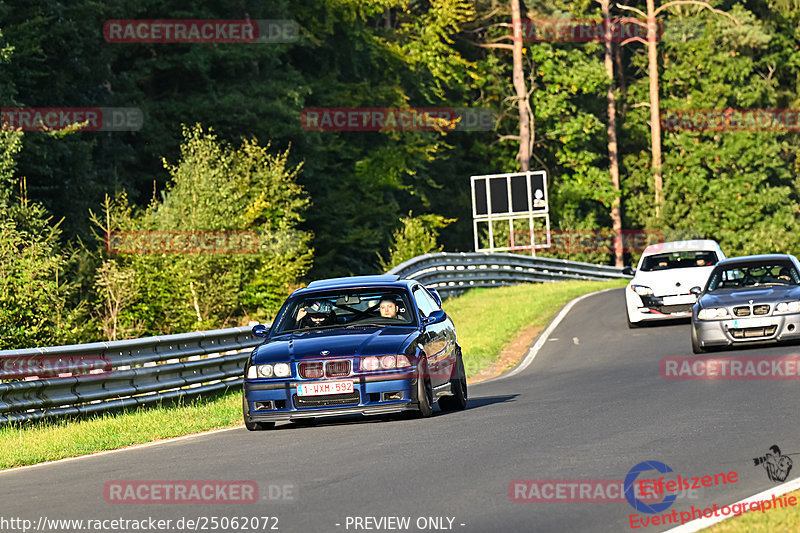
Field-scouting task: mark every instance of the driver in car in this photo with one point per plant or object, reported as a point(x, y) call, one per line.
point(388, 307)
point(316, 315)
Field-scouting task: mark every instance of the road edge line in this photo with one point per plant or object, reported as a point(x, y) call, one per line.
point(533, 351)
point(125, 449)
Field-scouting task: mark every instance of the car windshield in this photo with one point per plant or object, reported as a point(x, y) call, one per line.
point(753, 275)
point(347, 307)
point(687, 259)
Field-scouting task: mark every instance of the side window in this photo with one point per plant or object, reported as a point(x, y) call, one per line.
point(426, 304)
point(435, 303)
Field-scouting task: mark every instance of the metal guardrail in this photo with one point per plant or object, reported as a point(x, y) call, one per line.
point(451, 273)
point(130, 373)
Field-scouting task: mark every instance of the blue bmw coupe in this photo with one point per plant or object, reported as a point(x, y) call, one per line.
point(368, 345)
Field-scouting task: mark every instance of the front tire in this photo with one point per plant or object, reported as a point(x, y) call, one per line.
point(253, 426)
point(424, 394)
point(696, 348)
point(458, 386)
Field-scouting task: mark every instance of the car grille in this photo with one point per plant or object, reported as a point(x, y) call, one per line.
point(337, 369)
point(741, 311)
point(760, 309)
point(748, 333)
point(325, 400)
point(310, 370)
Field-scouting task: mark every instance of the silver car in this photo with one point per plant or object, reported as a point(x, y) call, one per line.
point(748, 299)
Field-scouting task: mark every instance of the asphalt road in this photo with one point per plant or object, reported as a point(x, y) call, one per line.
point(590, 406)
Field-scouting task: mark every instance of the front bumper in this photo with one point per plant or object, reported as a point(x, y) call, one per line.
point(747, 330)
point(642, 308)
point(281, 397)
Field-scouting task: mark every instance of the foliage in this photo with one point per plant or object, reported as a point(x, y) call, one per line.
point(416, 237)
point(345, 192)
point(34, 293)
point(214, 187)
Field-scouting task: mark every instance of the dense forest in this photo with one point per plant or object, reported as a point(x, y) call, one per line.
point(224, 144)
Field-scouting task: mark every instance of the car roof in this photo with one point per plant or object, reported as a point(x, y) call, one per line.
point(357, 282)
point(682, 246)
point(756, 258)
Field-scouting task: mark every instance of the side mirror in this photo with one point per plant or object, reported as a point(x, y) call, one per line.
point(629, 271)
point(260, 330)
point(434, 318)
point(696, 291)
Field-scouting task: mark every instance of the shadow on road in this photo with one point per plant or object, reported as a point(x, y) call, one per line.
point(483, 401)
point(645, 324)
point(472, 403)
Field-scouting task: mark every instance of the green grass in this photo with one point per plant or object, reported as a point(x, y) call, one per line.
point(486, 320)
point(48, 441)
point(774, 520)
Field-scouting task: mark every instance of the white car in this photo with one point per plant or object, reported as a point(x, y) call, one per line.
point(666, 272)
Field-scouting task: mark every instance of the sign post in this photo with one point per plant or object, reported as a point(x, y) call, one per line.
point(519, 196)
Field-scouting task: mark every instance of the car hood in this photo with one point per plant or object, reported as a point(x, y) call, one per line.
point(340, 342)
point(730, 297)
point(673, 281)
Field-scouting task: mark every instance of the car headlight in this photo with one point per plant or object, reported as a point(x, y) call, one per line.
point(713, 313)
point(282, 370)
point(642, 290)
point(788, 307)
point(259, 371)
point(385, 362)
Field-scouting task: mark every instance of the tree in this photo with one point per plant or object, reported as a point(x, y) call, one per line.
point(416, 237)
point(652, 67)
point(214, 187)
point(613, 151)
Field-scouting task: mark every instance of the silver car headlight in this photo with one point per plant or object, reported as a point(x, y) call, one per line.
point(642, 290)
point(713, 313)
point(788, 307)
point(259, 371)
point(282, 370)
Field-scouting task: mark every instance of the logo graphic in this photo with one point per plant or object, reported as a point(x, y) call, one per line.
point(638, 504)
point(777, 466)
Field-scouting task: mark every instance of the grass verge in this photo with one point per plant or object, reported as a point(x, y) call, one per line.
point(486, 320)
point(773, 520)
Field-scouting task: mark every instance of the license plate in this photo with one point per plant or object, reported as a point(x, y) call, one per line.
point(324, 387)
point(752, 322)
point(680, 299)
